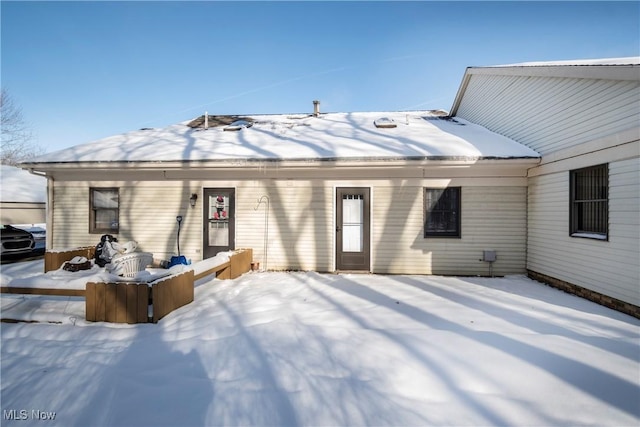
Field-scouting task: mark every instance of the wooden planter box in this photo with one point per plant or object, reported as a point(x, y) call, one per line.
point(172, 293)
point(240, 262)
point(55, 260)
point(117, 302)
point(130, 302)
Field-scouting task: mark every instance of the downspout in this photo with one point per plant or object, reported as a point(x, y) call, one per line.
point(48, 207)
point(526, 217)
point(265, 199)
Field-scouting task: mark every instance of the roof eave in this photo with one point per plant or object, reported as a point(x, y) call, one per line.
point(461, 90)
point(630, 72)
point(281, 163)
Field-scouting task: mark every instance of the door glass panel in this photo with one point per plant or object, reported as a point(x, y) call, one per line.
point(352, 223)
point(218, 220)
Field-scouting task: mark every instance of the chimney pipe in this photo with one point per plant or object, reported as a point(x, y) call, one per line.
point(316, 108)
point(206, 120)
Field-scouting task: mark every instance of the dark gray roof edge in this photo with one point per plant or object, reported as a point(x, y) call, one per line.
point(281, 160)
point(534, 65)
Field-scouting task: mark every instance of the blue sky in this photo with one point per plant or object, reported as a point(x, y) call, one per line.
point(87, 70)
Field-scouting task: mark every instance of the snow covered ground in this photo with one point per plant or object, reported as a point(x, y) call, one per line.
point(293, 349)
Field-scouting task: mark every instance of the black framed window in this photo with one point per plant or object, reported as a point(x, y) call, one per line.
point(104, 210)
point(442, 212)
point(589, 210)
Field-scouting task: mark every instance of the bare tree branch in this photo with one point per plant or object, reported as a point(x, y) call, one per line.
point(17, 139)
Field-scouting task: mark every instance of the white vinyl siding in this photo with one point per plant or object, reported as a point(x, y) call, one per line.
point(300, 221)
point(70, 209)
point(147, 215)
point(550, 113)
point(608, 267)
point(300, 225)
point(575, 117)
point(491, 218)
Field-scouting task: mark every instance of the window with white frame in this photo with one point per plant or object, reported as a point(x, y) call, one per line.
point(589, 210)
point(442, 212)
point(104, 210)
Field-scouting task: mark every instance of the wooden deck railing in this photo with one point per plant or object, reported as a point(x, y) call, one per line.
point(171, 294)
point(238, 264)
point(117, 302)
point(131, 302)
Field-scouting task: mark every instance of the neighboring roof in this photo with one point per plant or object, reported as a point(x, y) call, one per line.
point(633, 60)
point(329, 136)
point(620, 69)
point(20, 186)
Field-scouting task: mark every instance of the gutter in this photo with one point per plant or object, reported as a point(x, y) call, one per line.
point(49, 206)
point(281, 162)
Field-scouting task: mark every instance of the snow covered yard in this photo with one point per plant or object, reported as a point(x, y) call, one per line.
point(293, 349)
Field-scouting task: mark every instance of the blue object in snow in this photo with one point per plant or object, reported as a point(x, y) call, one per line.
point(180, 259)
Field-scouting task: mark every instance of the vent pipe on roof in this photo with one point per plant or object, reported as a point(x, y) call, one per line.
point(316, 108)
point(206, 120)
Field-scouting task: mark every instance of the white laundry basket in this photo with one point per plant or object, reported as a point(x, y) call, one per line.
point(128, 265)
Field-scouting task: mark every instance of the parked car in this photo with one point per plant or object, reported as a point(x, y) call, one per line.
point(16, 241)
point(39, 233)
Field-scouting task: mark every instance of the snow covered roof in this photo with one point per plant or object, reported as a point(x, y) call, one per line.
point(20, 186)
point(329, 136)
point(634, 60)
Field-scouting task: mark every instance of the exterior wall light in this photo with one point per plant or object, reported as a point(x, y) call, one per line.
point(192, 199)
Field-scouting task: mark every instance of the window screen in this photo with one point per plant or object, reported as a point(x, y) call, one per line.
point(590, 202)
point(104, 210)
point(442, 212)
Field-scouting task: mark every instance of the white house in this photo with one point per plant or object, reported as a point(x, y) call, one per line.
point(583, 213)
point(483, 190)
point(403, 192)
